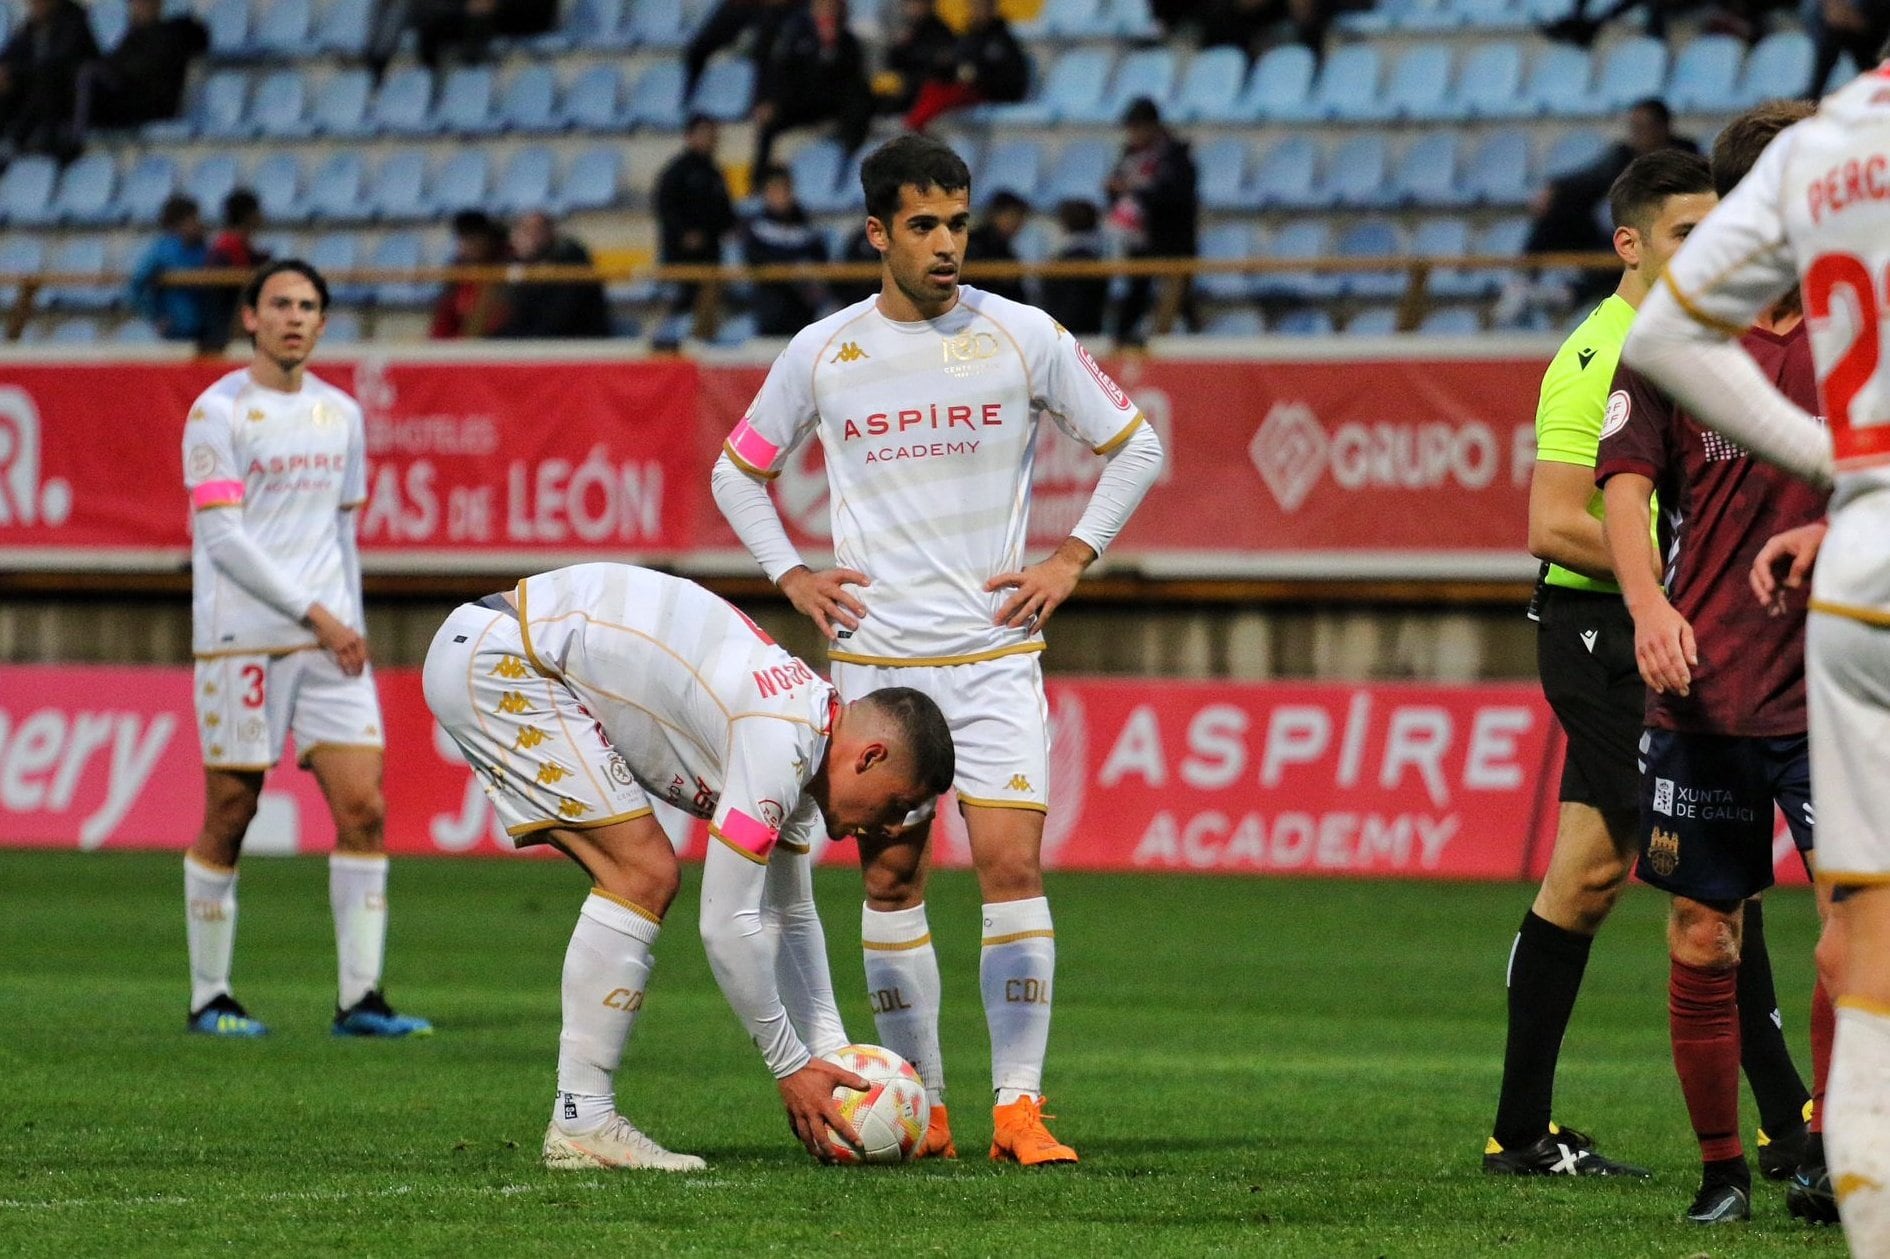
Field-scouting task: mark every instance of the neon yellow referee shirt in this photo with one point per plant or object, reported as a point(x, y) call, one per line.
point(1573, 403)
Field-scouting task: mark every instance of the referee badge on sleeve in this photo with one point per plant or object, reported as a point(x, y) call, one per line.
point(1616, 417)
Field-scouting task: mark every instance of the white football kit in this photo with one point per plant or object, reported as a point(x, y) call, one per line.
point(609, 686)
point(273, 480)
point(929, 431)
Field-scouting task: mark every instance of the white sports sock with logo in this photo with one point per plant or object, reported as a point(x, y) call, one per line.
point(605, 970)
point(1857, 1126)
point(357, 896)
point(1015, 971)
point(903, 985)
point(209, 929)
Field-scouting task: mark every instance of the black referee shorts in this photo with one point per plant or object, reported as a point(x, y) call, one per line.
point(1585, 656)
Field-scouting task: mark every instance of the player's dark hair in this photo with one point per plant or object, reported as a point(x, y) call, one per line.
point(1745, 137)
point(1637, 196)
point(241, 207)
point(252, 292)
point(922, 727)
point(909, 161)
point(174, 211)
point(1655, 106)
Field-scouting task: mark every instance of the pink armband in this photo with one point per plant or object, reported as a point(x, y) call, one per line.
point(217, 494)
point(752, 448)
point(749, 835)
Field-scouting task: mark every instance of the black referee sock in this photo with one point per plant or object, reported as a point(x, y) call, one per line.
point(1545, 973)
point(1776, 1084)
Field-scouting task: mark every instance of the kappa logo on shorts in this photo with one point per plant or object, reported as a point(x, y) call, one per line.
point(570, 810)
point(510, 667)
point(1017, 783)
point(1663, 851)
point(212, 720)
point(529, 738)
point(551, 772)
point(1663, 796)
point(513, 703)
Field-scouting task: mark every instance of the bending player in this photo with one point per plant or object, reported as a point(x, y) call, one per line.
point(275, 465)
point(927, 399)
point(585, 693)
point(1726, 722)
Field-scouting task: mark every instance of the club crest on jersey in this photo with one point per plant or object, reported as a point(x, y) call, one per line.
point(968, 347)
point(1663, 851)
point(849, 352)
point(256, 415)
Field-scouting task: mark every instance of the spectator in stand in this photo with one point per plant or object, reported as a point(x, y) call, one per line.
point(1857, 27)
point(234, 248)
point(730, 21)
point(780, 232)
point(1254, 25)
point(994, 240)
point(177, 313)
point(453, 30)
point(473, 308)
point(39, 71)
point(988, 64)
point(816, 72)
point(920, 50)
point(1155, 209)
point(1079, 304)
point(142, 79)
point(566, 308)
point(693, 214)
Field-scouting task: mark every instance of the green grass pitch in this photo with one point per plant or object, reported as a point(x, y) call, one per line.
point(1247, 1067)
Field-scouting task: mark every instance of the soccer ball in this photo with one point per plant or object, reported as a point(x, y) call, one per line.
point(890, 1117)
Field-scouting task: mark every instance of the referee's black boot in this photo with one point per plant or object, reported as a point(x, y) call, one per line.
point(1558, 1152)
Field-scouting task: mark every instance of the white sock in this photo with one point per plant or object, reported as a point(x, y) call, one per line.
point(903, 985)
point(209, 928)
point(1857, 1126)
point(357, 894)
point(605, 970)
point(1015, 972)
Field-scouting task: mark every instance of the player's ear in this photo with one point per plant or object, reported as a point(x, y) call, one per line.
point(876, 234)
point(870, 754)
point(1627, 245)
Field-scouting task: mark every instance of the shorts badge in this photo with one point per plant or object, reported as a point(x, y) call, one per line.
point(1663, 852)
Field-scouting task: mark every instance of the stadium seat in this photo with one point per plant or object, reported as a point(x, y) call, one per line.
point(1427, 173)
point(341, 105)
point(660, 24)
point(726, 90)
point(228, 21)
point(399, 251)
point(85, 191)
point(1447, 238)
point(1428, 16)
point(402, 107)
point(736, 330)
point(464, 107)
point(1572, 151)
point(1149, 72)
point(1355, 175)
point(134, 332)
point(1225, 241)
point(590, 103)
point(1418, 86)
point(816, 171)
point(152, 178)
point(1079, 172)
point(1347, 90)
point(525, 183)
point(343, 26)
point(223, 106)
point(277, 183)
point(1014, 166)
point(1780, 66)
point(1489, 83)
point(280, 110)
point(399, 190)
point(1222, 162)
point(1495, 15)
point(337, 189)
point(82, 255)
point(211, 180)
point(1298, 241)
point(657, 99)
point(1241, 321)
point(1304, 321)
point(285, 29)
point(20, 254)
point(26, 191)
point(1452, 321)
point(1706, 76)
point(1076, 19)
point(590, 182)
point(1285, 178)
point(1557, 84)
point(1373, 238)
point(342, 327)
point(1631, 70)
point(1375, 321)
point(72, 332)
point(1072, 88)
point(109, 20)
point(529, 102)
point(334, 253)
point(1132, 20)
point(1211, 86)
point(1279, 88)
point(459, 182)
point(1498, 172)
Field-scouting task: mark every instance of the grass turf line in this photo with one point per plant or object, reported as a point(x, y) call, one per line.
point(1247, 1067)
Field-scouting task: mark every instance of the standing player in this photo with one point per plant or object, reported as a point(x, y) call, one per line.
point(587, 692)
point(1817, 206)
point(275, 465)
point(1585, 646)
point(927, 399)
point(1725, 734)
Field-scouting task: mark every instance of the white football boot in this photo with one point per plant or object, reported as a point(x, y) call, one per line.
point(616, 1144)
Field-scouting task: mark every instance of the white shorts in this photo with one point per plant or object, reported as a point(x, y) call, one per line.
point(1847, 680)
point(544, 761)
point(999, 718)
point(247, 705)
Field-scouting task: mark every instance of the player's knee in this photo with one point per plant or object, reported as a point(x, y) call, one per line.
point(891, 888)
point(360, 819)
point(1010, 880)
point(227, 817)
point(1830, 954)
point(1703, 935)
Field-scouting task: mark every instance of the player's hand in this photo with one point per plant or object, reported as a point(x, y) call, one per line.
point(811, 1110)
point(1041, 588)
point(341, 641)
point(1800, 547)
point(1664, 649)
point(824, 599)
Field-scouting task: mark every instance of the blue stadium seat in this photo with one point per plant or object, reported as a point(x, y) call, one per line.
point(529, 103)
point(1428, 16)
point(1299, 240)
point(591, 180)
point(1418, 86)
point(1223, 241)
point(1014, 166)
point(223, 106)
point(1304, 321)
point(26, 191)
point(590, 103)
point(285, 29)
point(1572, 151)
point(465, 104)
point(816, 169)
point(152, 178)
point(1222, 162)
point(1355, 176)
point(334, 253)
point(726, 90)
point(1447, 238)
point(657, 99)
point(341, 105)
point(343, 26)
point(280, 110)
point(1347, 89)
point(399, 190)
point(1242, 322)
point(399, 251)
point(337, 189)
point(135, 332)
point(737, 330)
point(342, 327)
point(73, 332)
point(85, 191)
point(1072, 88)
point(1706, 76)
point(1375, 321)
point(1498, 172)
point(660, 24)
point(403, 105)
point(1149, 72)
point(277, 183)
point(459, 182)
point(1286, 177)
point(1631, 70)
point(1211, 86)
point(1557, 83)
point(525, 183)
point(1495, 15)
point(228, 21)
point(1077, 19)
point(211, 180)
point(1279, 88)
point(20, 254)
point(1502, 239)
point(1079, 172)
point(1780, 66)
point(1427, 173)
point(599, 24)
point(82, 255)
point(1489, 84)
point(1133, 20)
point(1452, 321)
point(109, 19)
point(1373, 238)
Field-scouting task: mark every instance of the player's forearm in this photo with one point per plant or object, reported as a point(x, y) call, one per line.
point(750, 512)
point(236, 555)
point(740, 951)
point(1627, 527)
point(350, 551)
point(800, 965)
point(1126, 479)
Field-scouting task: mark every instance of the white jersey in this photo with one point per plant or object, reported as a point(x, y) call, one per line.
point(707, 711)
point(289, 462)
point(1817, 205)
point(929, 431)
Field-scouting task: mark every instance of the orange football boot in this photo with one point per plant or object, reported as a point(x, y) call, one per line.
point(1020, 1136)
point(937, 1142)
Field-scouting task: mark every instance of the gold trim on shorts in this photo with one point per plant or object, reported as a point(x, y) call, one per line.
point(920, 662)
